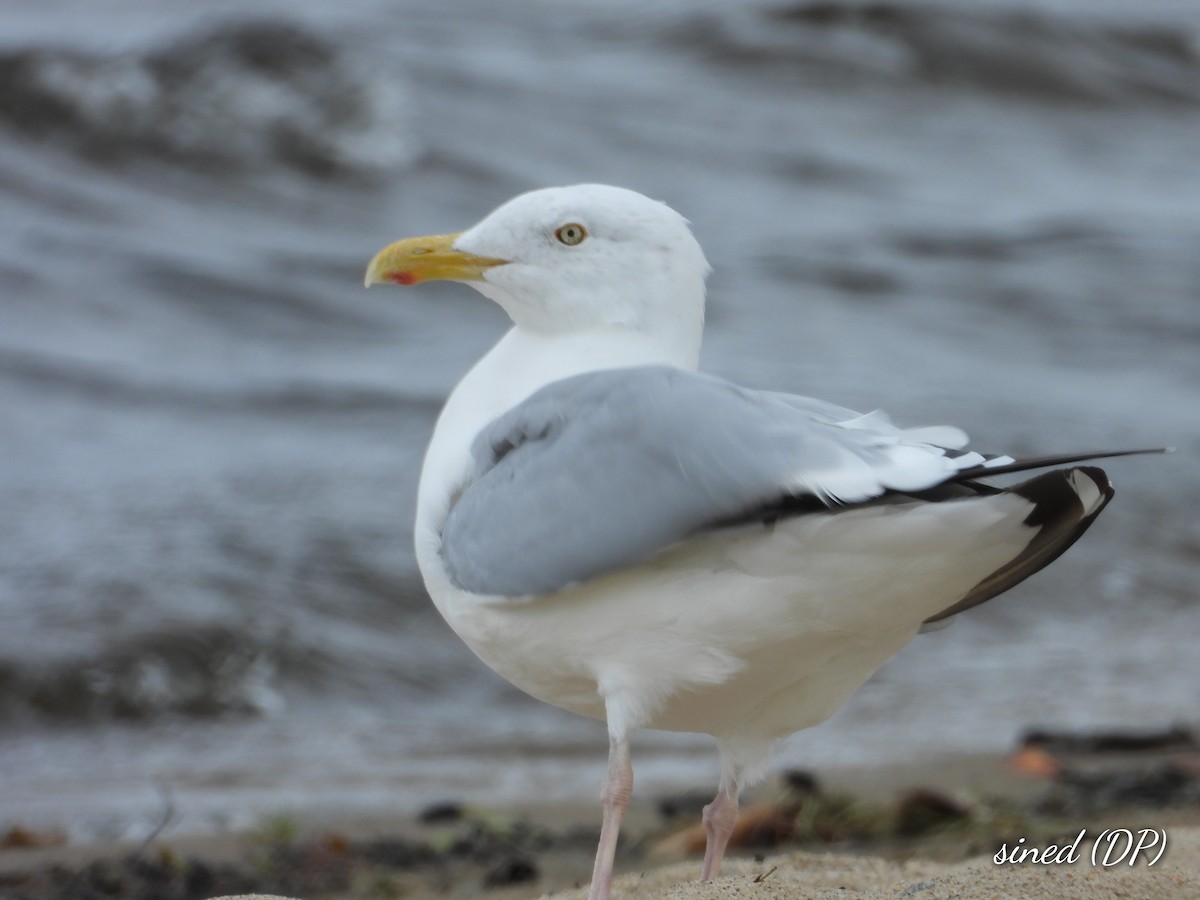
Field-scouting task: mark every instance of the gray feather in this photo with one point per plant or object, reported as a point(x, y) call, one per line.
point(604, 470)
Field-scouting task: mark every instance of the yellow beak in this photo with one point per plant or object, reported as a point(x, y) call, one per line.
point(433, 258)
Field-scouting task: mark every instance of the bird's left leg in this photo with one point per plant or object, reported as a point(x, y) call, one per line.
point(614, 796)
point(719, 819)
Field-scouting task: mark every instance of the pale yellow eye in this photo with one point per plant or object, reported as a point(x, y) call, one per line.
point(570, 234)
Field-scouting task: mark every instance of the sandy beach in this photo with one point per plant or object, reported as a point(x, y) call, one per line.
point(824, 876)
point(828, 876)
point(929, 829)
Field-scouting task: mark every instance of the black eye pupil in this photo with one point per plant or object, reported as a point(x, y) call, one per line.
point(571, 234)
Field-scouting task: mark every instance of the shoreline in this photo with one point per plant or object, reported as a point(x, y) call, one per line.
point(956, 772)
point(873, 831)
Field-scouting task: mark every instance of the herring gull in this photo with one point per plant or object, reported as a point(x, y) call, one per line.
point(621, 536)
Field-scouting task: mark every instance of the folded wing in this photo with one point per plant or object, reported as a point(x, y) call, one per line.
point(605, 470)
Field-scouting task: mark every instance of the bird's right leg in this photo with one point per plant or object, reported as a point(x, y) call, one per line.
point(719, 818)
point(614, 797)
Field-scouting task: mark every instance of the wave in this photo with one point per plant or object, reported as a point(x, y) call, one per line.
point(45, 376)
point(204, 672)
point(242, 97)
point(257, 666)
point(1030, 54)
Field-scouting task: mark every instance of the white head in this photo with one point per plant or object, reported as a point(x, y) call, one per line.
point(570, 259)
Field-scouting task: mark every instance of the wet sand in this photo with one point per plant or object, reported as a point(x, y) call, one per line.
point(546, 852)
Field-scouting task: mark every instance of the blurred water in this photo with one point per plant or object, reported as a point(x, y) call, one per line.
point(211, 435)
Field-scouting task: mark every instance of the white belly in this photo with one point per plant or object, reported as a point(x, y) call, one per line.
point(762, 632)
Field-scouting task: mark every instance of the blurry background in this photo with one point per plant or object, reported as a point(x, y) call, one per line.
point(985, 214)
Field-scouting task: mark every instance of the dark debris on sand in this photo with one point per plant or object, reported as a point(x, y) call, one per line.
point(1102, 771)
point(163, 877)
point(466, 852)
point(330, 865)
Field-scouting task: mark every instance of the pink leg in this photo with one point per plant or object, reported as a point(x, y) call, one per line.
point(719, 819)
point(614, 797)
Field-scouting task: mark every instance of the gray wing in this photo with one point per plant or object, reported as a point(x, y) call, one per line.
point(602, 471)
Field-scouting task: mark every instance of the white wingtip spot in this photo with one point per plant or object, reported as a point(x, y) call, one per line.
point(1089, 493)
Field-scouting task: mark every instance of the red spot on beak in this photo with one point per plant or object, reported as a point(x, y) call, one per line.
point(405, 278)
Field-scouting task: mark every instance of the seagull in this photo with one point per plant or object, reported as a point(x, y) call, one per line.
point(622, 536)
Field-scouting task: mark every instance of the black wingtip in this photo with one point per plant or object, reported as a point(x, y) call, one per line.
point(1062, 511)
